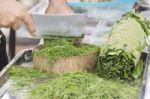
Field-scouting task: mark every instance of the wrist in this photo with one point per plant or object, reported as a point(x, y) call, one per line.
point(57, 3)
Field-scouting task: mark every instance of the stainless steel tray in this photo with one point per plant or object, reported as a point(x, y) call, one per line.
point(24, 58)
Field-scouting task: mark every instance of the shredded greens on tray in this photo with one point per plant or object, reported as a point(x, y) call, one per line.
point(83, 85)
point(55, 49)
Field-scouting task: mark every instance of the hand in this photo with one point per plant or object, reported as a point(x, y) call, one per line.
point(58, 7)
point(12, 14)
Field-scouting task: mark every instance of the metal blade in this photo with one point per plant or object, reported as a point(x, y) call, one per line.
point(48, 26)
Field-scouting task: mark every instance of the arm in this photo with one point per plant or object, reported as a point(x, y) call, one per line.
point(12, 14)
point(58, 7)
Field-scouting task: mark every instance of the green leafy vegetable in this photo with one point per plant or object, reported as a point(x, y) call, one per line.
point(120, 55)
point(83, 85)
point(25, 77)
point(73, 85)
point(55, 49)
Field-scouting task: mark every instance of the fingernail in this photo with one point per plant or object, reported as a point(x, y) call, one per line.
point(33, 34)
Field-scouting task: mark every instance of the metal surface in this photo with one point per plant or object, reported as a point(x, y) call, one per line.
point(23, 57)
point(147, 80)
point(57, 25)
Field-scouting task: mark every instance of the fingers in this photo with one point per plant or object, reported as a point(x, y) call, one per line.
point(29, 23)
point(12, 14)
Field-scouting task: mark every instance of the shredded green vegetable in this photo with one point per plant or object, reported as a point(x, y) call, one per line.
point(25, 77)
point(63, 48)
point(73, 85)
point(83, 85)
point(119, 57)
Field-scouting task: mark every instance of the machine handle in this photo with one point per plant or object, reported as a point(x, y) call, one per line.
point(12, 43)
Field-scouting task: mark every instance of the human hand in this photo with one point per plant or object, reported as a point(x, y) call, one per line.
point(12, 14)
point(58, 7)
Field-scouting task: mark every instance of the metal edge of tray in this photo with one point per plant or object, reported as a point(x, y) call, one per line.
point(144, 78)
point(3, 74)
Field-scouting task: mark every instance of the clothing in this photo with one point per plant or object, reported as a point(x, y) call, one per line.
point(3, 53)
